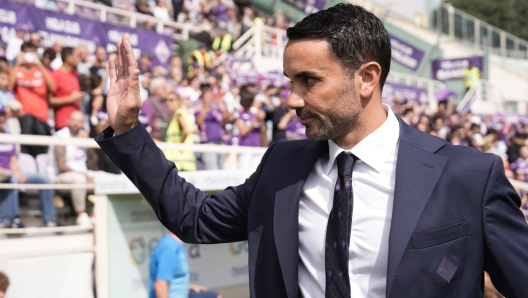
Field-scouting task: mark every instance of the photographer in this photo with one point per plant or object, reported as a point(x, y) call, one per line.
point(31, 82)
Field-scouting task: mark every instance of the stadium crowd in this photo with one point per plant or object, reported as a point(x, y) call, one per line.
point(199, 99)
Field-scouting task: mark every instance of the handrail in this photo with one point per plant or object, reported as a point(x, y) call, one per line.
point(36, 140)
point(473, 34)
point(46, 186)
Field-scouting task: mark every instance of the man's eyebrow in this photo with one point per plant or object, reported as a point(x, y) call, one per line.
point(303, 74)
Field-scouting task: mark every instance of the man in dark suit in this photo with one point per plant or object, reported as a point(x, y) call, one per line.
point(368, 207)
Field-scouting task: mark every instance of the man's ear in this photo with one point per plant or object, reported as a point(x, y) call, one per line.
point(369, 74)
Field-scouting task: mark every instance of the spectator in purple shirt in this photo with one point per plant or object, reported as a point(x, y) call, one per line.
point(522, 162)
point(220, 11)
point(292, 126)
point(210, 116)
point(10, 172)
point(252, 130)
point(156, 109)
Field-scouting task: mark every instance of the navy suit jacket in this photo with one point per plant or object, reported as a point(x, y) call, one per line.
point(455, 214)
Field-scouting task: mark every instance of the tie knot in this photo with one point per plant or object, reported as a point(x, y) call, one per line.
point(345, 163)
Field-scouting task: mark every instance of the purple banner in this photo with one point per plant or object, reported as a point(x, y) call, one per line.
point(11, 14)
point(405, 53)
point(453, 69)
point(73, 31)
point(157, 45)
point(308, 6)
point(392, 91)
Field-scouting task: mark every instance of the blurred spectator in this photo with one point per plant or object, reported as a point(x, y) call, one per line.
point(516, 142)
point(57, 48)
point(47, 57)
point(3, 60)
point(15, 42)
point(471, 75)
point(6, 95)
point(36, 39)
point(200, 61)
point(459, 137)
point(223, 42)
point(4, 284)
point(169, 272)
point(174, 77)
point(69, 165)
point(156, 110)
point(291, 124)
point(11, 172)
point(177, 6)
point(180, 130)
point(279, 133)
point(99, 66)
point(143, 7)
point(32, 83)
point(161, 10)
point(522, 162)
point(210, 117)
point(145, 61)
point(84, 65)
point(67, 95)
point(251, 130)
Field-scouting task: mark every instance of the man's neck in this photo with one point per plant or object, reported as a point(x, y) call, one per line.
point(370, 119)
point(66, 68)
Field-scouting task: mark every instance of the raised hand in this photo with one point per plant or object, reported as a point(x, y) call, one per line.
point(123, 102)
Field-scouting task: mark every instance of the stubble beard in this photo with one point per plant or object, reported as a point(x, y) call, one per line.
point(341, 118)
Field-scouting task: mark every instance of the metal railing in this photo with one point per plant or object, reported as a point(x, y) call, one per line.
point(476, 33)
point(129, 18)
point(485, 94)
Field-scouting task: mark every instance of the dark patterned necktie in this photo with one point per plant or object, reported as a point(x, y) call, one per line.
point(338, 230)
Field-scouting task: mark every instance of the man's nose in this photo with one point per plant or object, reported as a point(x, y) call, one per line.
point(295, 101)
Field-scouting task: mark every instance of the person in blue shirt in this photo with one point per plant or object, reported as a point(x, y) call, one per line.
point(169, 272)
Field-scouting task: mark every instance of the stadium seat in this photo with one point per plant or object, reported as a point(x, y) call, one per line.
point(27, 163)
point(42, 163)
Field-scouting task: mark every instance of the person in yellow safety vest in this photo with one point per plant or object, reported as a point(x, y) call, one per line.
point(471, 75)
point(199, 61)
point(223, 42)
point(180, 130)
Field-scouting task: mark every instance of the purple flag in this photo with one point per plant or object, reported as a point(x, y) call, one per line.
point(405, 53)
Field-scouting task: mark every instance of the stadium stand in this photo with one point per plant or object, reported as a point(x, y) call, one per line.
point(185, 80)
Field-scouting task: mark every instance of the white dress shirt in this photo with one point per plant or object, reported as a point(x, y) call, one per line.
point(373, 181)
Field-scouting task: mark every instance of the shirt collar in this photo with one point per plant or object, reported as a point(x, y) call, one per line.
point(375, 149)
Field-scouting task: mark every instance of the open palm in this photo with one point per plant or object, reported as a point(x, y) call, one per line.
point(123, 101)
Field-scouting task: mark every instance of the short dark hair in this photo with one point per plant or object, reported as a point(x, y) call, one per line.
point(355, 35)
point(246, 99)
point(66, 52)
point(27, 45)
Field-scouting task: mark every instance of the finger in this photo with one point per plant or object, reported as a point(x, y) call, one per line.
point(124, 41)
point(119, 60)
point(112, 71)
point(132, 66)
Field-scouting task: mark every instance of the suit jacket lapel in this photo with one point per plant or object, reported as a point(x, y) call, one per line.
point(417, 172)
point(286, 211)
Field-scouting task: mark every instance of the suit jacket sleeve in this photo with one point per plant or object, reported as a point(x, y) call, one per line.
point(192, 215)
point(505, 235)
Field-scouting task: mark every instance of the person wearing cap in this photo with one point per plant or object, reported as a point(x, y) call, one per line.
point(11, 172)
point(199, 61)
point(14, 43)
